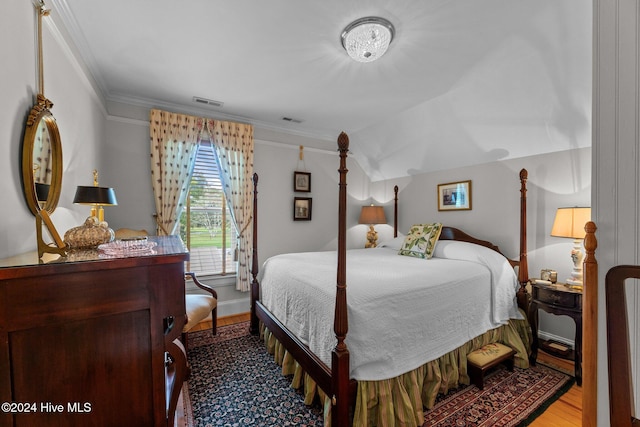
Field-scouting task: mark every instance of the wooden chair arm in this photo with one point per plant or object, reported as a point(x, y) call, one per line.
point(201, 285)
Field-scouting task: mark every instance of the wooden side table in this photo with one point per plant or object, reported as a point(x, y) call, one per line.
point(558, 300)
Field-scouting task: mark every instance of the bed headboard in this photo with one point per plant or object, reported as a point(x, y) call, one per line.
point(452, 233)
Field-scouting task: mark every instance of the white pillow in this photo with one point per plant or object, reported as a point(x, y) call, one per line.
point(454, 249)
point(394, 244)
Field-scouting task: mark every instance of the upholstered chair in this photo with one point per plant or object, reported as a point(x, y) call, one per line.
point(199, 307)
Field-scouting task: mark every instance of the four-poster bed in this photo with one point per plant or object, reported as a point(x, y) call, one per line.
point(332, 373)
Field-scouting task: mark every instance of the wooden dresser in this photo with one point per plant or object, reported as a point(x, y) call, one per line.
point(90, 340)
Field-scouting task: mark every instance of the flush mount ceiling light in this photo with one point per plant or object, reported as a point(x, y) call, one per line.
point(367, 39)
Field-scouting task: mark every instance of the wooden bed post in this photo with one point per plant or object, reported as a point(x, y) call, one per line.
point(340, 354)
point(590, 329)
point(395, 211)
point(523, 266)
point(255, 286)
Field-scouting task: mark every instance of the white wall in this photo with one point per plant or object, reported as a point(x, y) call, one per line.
point(127, 168)
point(277, 232)
point(616, 169)
point(77, 110)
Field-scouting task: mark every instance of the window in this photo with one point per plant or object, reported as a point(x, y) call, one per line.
point(206, 226)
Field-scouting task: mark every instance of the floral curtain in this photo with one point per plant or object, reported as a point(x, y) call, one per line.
point(42, 155)
point(174, 142)
point(234, 147)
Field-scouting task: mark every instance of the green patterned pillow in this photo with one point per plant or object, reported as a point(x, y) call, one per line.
point(421, 240)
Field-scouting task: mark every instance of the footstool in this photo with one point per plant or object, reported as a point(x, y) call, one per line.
point(485, 358)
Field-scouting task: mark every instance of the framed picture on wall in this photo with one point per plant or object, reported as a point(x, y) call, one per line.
point(302, 182)
point(454, 196)
point(302, 208)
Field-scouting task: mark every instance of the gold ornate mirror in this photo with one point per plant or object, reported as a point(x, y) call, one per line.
point(41, 158)
point(41, 147)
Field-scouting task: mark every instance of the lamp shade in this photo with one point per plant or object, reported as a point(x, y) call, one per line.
point(372, 215)
point(570, 222)
point(91, 195)
point(42, 191)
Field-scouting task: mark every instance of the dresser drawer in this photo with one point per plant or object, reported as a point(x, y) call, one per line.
point(562, 299)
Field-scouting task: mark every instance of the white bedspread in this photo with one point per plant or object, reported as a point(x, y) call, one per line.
point(403, 311)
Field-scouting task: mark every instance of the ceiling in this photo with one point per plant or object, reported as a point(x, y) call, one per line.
point(463, 82)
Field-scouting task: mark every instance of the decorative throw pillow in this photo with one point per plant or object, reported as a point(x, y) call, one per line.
point(421, 240)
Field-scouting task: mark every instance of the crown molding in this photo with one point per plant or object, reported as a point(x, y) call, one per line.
point(190, 109)
point(77, 47)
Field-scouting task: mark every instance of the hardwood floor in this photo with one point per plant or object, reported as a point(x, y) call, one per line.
point(564, 412)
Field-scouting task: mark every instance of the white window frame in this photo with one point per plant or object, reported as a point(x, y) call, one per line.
point(206, 159)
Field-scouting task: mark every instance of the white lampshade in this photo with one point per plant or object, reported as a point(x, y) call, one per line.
point(367, 39)
point(569, 222)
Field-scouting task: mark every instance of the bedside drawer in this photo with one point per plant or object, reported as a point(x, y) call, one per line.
point(563, 299)
point(557, 300)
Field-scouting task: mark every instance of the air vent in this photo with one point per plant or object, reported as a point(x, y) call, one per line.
point(205, 101)
point(289, 119)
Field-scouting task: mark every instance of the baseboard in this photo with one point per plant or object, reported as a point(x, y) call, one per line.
point(551, 337)
point(230, 300)
point(216, 282)
point(236, 306)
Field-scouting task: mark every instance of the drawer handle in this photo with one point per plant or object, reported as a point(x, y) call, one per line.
point(168, 322)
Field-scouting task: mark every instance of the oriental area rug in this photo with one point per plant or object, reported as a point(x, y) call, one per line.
point(235, 382)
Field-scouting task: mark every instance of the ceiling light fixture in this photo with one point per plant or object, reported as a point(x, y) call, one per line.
point(367, 39)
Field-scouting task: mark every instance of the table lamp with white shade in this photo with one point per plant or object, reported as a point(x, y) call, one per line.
point(569, 223)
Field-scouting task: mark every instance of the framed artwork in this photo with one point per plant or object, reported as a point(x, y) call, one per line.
point(302, 182)
point(454, 196)
point(302, 208)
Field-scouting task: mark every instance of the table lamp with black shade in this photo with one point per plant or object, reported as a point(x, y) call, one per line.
point(95, 231)
point(95, 196)
point(42, 193)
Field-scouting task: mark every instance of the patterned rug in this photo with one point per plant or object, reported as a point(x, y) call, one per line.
point(235, 382)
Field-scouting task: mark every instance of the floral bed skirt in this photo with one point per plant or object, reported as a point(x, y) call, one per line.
point(400, 401)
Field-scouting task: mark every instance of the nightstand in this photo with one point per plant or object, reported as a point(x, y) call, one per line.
point(559, 300)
